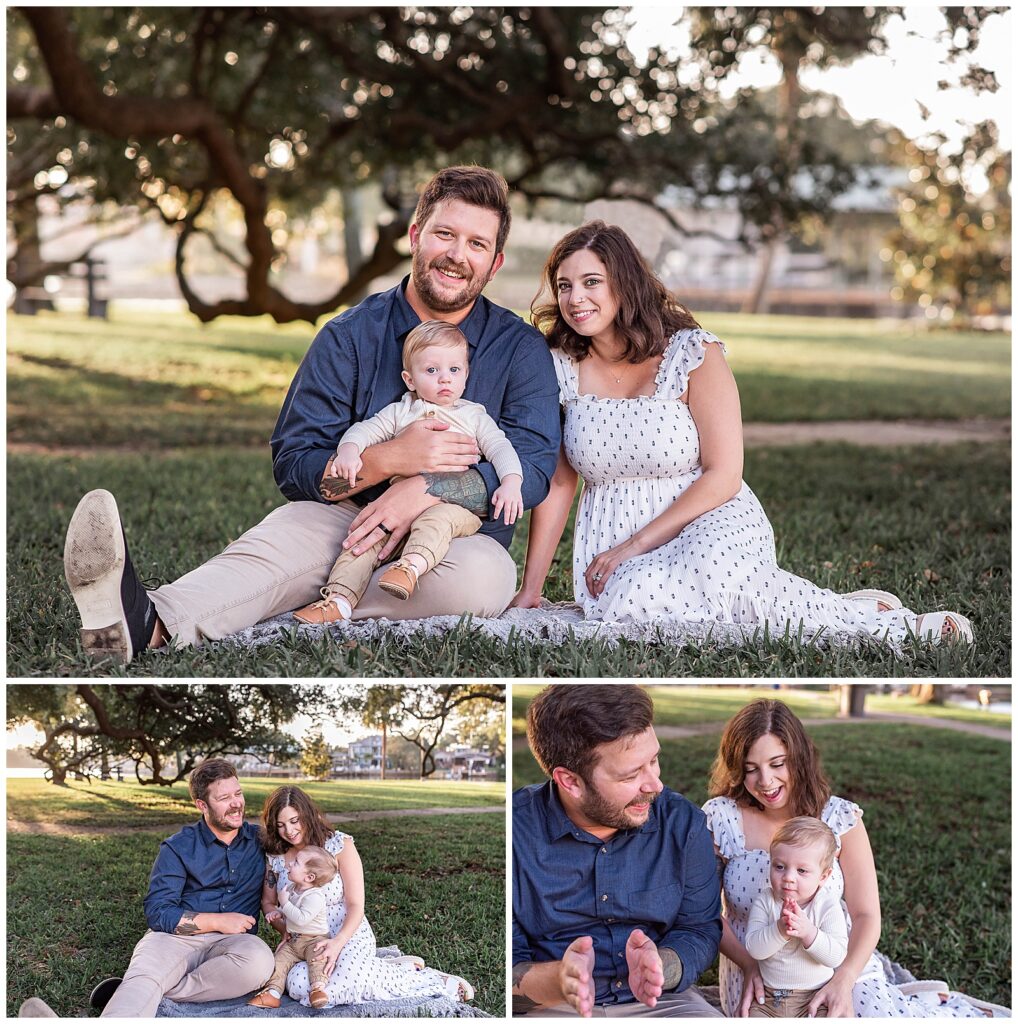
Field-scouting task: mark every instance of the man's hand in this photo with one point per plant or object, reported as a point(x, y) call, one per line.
point(427, 446)
point(576, 975)
point(395, 510)
point(646, 972)
point(232, 924)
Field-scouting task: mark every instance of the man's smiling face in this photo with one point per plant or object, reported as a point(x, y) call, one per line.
point(454, 255)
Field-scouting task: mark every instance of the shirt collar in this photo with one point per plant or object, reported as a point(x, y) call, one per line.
point(472, 325)
point(559, 823)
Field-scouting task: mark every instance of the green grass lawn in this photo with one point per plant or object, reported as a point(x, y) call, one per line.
point(695, 705)
point(930, 524)
point(74, 904)
point(938, 811)
point(144, 381)
point(83, 804)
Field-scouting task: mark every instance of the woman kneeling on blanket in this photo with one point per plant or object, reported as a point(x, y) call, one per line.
point(353, 973)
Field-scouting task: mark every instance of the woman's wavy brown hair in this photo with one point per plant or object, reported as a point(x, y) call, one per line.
point(810, 788)
point(648, 313)
point(316, 829)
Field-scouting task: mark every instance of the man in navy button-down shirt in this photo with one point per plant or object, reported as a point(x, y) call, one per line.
point(351, 370)
point(202, 907)
point(616, 900)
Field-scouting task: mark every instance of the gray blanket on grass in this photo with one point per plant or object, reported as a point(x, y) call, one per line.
point(551, 624)
point(410, 1006)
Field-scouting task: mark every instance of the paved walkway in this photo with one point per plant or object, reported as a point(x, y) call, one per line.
point(878, 432)
point(756, 435)
point(681, 732)
point(50, 828)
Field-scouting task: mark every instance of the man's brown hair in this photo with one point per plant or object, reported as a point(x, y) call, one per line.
point(212, 770)
point(809, 788)
point(565, 723)
point(477, 186)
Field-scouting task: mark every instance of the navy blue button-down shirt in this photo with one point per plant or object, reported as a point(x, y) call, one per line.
point(352, 370)
point(660, 877)
point(196, 871)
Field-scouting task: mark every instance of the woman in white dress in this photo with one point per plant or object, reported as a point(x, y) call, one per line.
point(767, 771)
point(291, 821)
point(666, 528)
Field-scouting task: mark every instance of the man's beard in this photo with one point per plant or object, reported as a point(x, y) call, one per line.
point(472, 286)
point(597, 809)
point(219, 822)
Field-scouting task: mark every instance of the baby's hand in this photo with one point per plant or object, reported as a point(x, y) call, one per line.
point(797, 924)
point(347, 463)
point(284, 895)
point(509, 497)
point(273, 915)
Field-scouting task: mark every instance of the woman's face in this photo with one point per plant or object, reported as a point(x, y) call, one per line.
point(584, 294)
point(767, 776)
point(289, 827)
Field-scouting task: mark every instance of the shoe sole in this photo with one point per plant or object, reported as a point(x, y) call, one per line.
point(94, 558)
point(397, 591)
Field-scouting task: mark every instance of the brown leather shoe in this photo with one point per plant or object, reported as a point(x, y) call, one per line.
point(400, 580)
point(318, 998)
point(264, 998)
point(321, 613)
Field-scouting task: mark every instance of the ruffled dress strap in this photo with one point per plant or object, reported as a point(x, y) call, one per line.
point(725, 823)
point(685, 352)
point(840, 815)
point(568, 376)
point(335, 843)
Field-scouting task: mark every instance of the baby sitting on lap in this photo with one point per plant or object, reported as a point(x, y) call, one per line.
point(797, 929)
point(304, 908)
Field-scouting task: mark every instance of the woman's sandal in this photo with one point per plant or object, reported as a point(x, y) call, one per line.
point(414, 961)
point(890, 602)
point(456, 988)
point(944, 628)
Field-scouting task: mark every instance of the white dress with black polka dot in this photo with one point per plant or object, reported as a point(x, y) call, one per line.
point(359, 975)
point(747, 873)
point(636, 456)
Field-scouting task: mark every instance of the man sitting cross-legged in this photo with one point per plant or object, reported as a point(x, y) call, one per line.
point(616, 900)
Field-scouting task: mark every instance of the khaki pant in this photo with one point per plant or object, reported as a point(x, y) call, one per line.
point(785, 1002)
point(189, 969)
point(284, 561)
point(300, 949)
point(671, 1004)
point(430, 535)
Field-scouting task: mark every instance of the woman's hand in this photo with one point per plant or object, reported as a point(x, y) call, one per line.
point(604, 564)
point(526, 599)
point(836, 995)
point(331, 950)
point(752, 988)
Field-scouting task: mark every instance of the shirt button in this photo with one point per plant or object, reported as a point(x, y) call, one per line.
point(604, 898)
point(618, 984)
point(604, 849)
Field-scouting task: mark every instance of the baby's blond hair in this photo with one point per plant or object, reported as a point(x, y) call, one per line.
point(805, 832)
point(428, 333)
point(320, 863)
